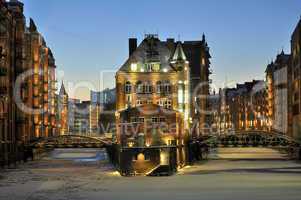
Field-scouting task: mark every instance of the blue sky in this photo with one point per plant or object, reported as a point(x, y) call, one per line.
point(88, 37)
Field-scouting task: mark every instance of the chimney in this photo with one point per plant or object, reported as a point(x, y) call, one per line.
point(15, 6)
point(132, 45)
point(170, 43)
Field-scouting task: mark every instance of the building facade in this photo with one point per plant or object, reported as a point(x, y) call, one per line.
point(94, 119)
point(107, 96)
point(243, 108)
point(157, 75)
point(295, 89)
point(63, 110)
point(71, 113)
point(278, 82)
point(27, 82)
point(8, 134)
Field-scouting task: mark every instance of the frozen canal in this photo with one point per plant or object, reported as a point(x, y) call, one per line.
point(86, 174)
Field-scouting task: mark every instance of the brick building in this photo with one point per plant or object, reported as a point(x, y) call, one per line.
point(168, 75)
point(278, 82)
point(27, 91)
point(244, 107)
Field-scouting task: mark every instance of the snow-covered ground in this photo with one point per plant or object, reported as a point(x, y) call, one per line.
point(67, 175)
point(247, 153)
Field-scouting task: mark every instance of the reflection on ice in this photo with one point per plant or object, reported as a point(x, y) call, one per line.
point(79, 155)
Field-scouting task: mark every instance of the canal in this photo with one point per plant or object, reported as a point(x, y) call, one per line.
point(79, 155)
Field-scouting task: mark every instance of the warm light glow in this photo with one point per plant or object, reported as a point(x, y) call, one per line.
point(164, 158)
point(130, 144)
point(140, 157)
point(134, 67)
point(165, 70)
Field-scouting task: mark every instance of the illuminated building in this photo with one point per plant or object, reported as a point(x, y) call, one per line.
point(8, 135)
point(28, 112)
point(295, 87)
point(243, 107)
point(157, 76)
point(277, 76)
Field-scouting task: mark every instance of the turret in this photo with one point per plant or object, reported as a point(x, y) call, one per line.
point(179, 58)
point(32, 26)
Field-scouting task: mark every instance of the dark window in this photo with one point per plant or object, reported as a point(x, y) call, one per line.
point(128, 88)
point(296, 109)
point(162, 119)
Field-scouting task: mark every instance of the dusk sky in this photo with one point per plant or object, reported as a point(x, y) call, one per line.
point(88, 37)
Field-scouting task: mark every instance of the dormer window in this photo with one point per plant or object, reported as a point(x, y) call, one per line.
point(134, 67)
point(152, 67)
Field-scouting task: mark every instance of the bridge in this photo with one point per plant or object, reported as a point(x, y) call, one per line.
point(244, 139)
point(71, 141)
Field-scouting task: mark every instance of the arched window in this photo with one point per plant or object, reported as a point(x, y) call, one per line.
point(148, 88)
point(159, 87)
point(167, 87)
point(128, 87)
point(139, 87)
point(144, 88)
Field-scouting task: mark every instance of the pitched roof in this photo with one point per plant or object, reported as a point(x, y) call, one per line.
point(150, 50)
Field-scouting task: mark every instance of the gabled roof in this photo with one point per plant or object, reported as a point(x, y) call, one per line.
point(166, 51)
point(158, 49)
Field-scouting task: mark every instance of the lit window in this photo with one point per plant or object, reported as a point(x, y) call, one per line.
point(134, 67)
point(203, 61)
point(156, 67)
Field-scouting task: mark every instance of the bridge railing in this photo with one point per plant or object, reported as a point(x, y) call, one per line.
point(70, 140)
